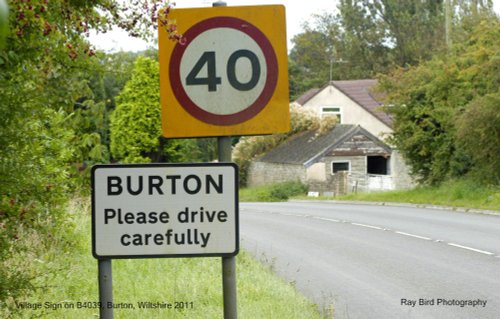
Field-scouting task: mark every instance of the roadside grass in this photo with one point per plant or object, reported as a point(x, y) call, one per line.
point(456, 193)
point(69, 276)
point(273, 193)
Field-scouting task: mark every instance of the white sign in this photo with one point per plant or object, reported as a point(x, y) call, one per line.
point(165, 210)
point(232, 77)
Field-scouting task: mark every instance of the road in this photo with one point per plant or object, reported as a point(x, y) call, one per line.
point(379, 261)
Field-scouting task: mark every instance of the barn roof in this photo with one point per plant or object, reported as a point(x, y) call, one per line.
point(304, 148)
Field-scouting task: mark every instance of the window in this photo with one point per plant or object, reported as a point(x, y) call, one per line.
point(377, 165)
point(340, 166)
point(332, 110)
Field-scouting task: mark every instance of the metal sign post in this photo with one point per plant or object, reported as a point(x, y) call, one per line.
point(105, 288)
point(228, 263)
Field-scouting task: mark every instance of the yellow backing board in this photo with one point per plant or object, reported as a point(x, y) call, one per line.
point(230, 77)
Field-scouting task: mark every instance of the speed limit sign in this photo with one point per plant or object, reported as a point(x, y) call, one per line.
point(229, 76)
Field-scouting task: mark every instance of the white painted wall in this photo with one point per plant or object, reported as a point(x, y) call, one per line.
point(316, 172)
point(352, 113)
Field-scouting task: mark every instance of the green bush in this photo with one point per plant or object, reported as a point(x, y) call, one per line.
point(463, 192)
point(273, 193)
point(283, 191)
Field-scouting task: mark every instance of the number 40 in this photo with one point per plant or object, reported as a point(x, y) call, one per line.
point(212, 80)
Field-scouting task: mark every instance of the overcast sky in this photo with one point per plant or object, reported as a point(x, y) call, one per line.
point(297, 12)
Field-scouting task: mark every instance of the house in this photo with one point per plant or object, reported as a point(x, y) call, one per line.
point(353, 102)
point(350, 157)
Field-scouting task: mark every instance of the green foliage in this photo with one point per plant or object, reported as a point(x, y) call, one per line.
point(116, 71)
point(273, 193)
point(368, 37)
point(283, 191)
point(309, 61)
point(478, 134)
point(49, 121)
point(201, 149)
point(34, 174)
point(445, 109)
point(415, 27)
point(467, 193)
point(135, 123)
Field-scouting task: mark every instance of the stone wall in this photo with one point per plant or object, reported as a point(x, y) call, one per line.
point(327, 183)
point(400, 172)
point(262, 173)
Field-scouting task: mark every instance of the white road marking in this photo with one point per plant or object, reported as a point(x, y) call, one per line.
point(473, 249)
point(412, 235)
point(387, 229)
point(327, 219)
point(367, 226)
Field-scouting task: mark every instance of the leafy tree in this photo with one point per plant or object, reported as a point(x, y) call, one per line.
point(202, 149)
point(478, 134)
point(445, 109)
point(415, 28)
point(363, 44)
point(368, 37)
point(136, 124)
point(311, 55)
point(46, 105)
point(92, 112)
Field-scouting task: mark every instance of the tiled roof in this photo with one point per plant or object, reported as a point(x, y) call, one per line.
point(306, 146)
point(307, 96)
point(360, 91)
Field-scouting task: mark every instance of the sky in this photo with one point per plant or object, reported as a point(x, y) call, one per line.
point(297, 12)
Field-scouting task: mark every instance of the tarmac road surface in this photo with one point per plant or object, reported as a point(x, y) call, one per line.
point(379, 261)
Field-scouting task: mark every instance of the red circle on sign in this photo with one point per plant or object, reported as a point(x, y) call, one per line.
point(269, 86)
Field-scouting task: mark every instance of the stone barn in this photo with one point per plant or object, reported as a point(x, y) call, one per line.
point(344, 159)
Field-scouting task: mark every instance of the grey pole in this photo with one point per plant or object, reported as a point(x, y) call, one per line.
point(228, 263)
point(105, 288)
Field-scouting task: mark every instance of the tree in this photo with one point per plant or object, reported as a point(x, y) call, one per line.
point(363, 42)
point(414, 28)
point(136, 124)
point(44, 65)
point(478, 133)
point(445, 109)
point(370, 37)
point(309, 62)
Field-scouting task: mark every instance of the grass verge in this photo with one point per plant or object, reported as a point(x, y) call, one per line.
point(192, 284)
point(457, 193)
point(273, 193)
